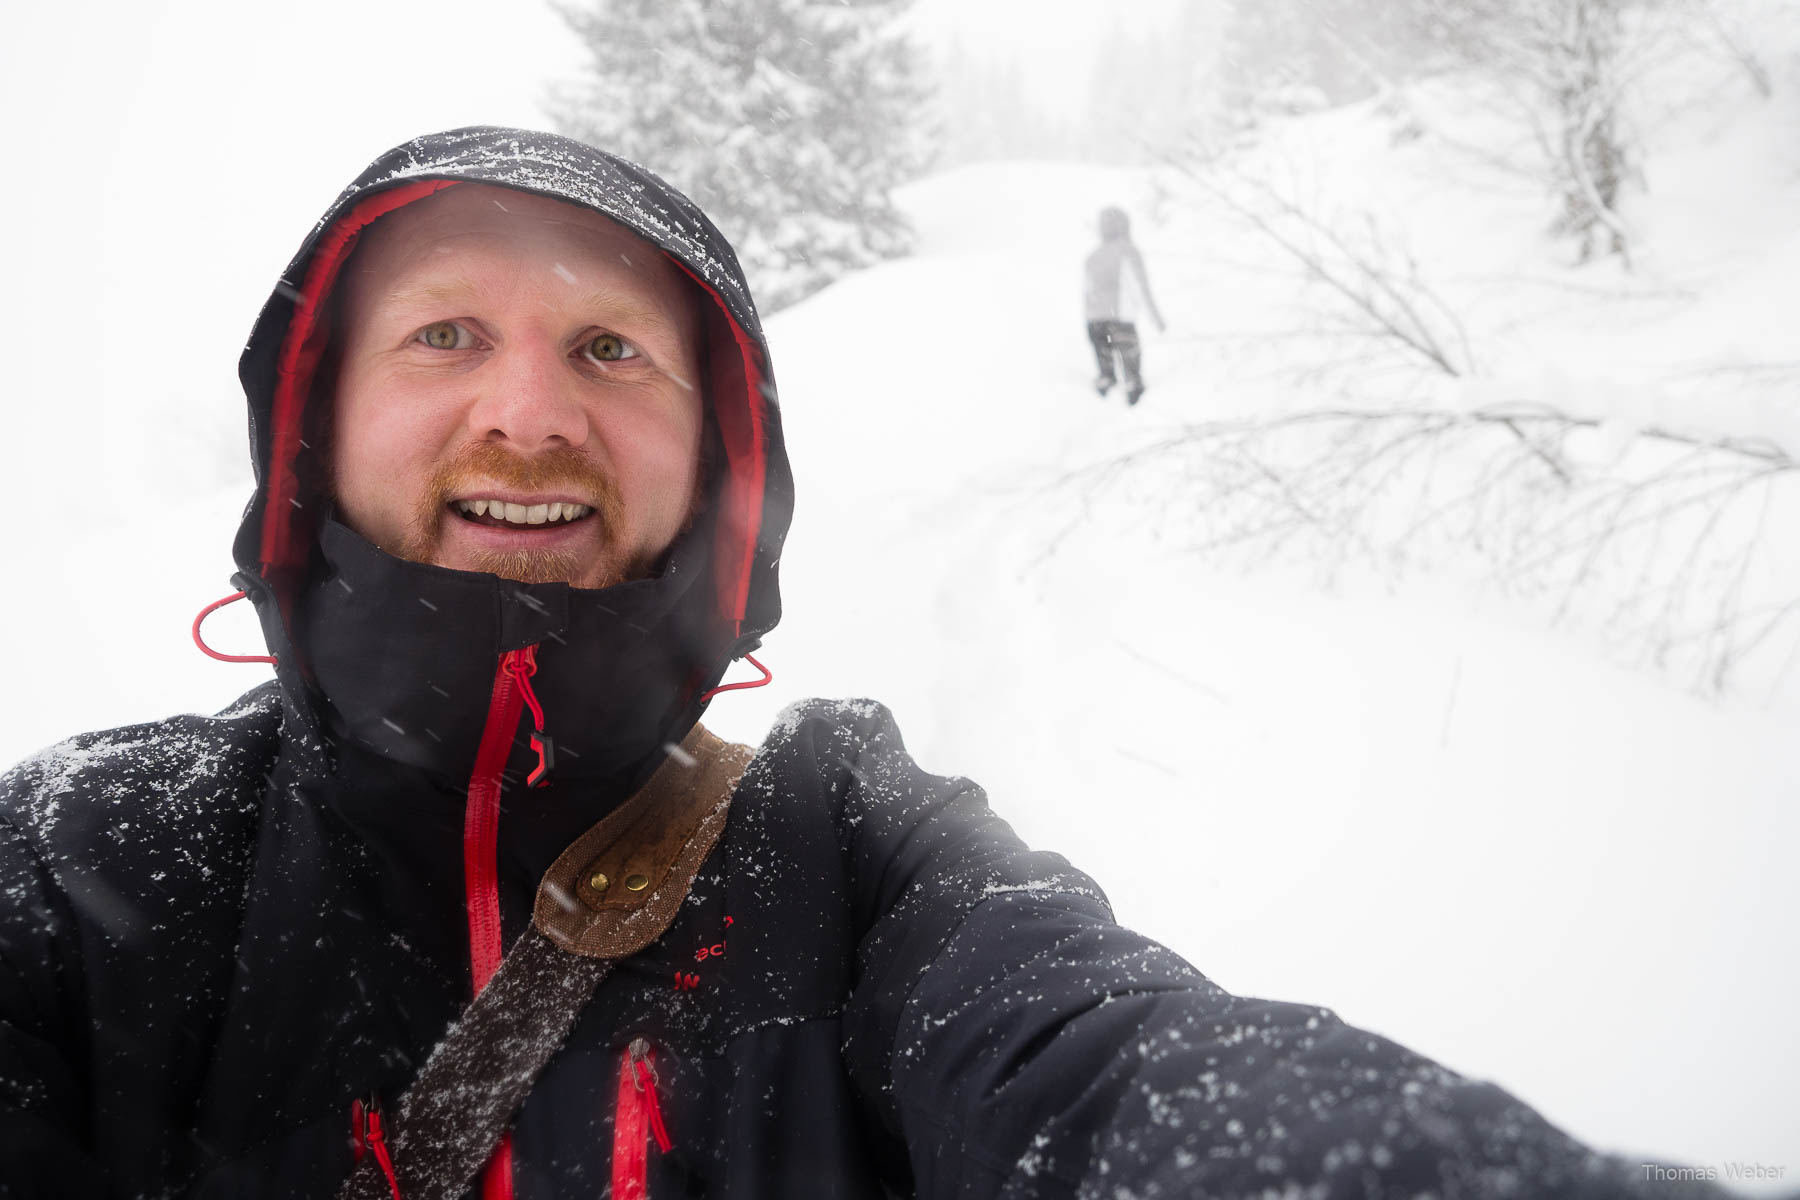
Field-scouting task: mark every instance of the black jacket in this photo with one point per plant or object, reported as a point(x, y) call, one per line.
point(216, 933)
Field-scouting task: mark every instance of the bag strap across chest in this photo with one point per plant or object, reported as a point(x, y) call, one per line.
point(614, 890)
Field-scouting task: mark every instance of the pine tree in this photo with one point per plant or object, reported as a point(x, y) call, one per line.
point(790, 122)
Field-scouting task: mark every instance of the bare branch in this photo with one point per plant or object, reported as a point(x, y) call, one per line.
point(1391, 485)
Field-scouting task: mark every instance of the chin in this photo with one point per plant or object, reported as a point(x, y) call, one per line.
point(540, 566)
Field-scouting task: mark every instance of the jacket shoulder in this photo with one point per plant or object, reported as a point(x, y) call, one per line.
point(816, 724)
point(803, 777)
point(847, 761)
point(165, 789)
point(843, 712)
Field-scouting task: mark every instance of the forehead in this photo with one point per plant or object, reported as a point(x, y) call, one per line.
point(476, 237)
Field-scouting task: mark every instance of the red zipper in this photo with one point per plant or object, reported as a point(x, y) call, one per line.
point(481, 838)
point(481, 819)
point(637, 1119)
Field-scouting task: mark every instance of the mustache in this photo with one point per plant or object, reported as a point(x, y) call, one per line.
point(561, 469)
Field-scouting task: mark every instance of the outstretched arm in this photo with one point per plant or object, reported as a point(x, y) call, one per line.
point(1019, 1043)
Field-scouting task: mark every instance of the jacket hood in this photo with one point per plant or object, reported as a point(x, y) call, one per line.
point(353, 647)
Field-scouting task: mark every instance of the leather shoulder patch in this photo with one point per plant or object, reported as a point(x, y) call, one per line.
point(619, 885)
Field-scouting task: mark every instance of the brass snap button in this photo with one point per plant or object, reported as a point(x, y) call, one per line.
point(598, 881)
point(637, 883)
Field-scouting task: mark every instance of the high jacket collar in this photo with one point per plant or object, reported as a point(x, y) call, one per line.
point(405, 659)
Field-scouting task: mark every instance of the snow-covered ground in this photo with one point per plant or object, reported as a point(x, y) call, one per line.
point(1417, 802)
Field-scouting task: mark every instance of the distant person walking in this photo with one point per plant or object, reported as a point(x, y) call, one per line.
point(1117, 288)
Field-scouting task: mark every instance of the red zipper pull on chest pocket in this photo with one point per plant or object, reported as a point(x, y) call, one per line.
point(637, 1119)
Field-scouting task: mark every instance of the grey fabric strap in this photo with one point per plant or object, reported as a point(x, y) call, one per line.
point(451, 1118)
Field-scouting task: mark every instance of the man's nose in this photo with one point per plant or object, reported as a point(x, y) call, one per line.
point(528, 396)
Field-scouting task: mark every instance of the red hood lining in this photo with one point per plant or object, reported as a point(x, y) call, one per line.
point(745, 434)
point(288, 528)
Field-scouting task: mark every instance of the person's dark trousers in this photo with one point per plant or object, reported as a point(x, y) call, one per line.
point(1117, 338)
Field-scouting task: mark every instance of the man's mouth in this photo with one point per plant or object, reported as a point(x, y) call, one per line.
point(503, 514)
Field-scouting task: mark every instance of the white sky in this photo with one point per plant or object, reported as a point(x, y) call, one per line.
point(1052, 42)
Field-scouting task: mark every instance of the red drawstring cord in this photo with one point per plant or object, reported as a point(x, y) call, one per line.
point(767, 675)
point(546, 750)
point(365, 1121)
point(208, 650)
point(522, 667)
point(379, 1145)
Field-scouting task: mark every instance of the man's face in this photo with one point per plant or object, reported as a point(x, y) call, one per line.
point(517, 390)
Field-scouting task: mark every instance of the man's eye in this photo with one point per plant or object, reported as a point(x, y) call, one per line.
point(609, 347)
point(445, 335)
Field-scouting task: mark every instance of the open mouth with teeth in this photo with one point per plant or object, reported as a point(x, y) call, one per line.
point(501, 514)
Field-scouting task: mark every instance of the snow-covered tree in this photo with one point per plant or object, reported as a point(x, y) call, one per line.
point(788, 121)
point(1570, 62)
point(1567, 63)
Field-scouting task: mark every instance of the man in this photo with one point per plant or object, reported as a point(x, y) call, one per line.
point(1116, 288)
point(521, 494)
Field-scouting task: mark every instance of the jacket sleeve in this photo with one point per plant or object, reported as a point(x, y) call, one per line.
point(42, 1102)
point(1016, 1042)
point(1136, 262)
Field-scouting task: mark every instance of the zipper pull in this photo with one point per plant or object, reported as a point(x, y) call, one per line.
point(643, 1074)
point(638, 1112)
point(524, 666)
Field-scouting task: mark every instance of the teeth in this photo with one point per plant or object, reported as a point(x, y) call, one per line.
point(521, 514)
